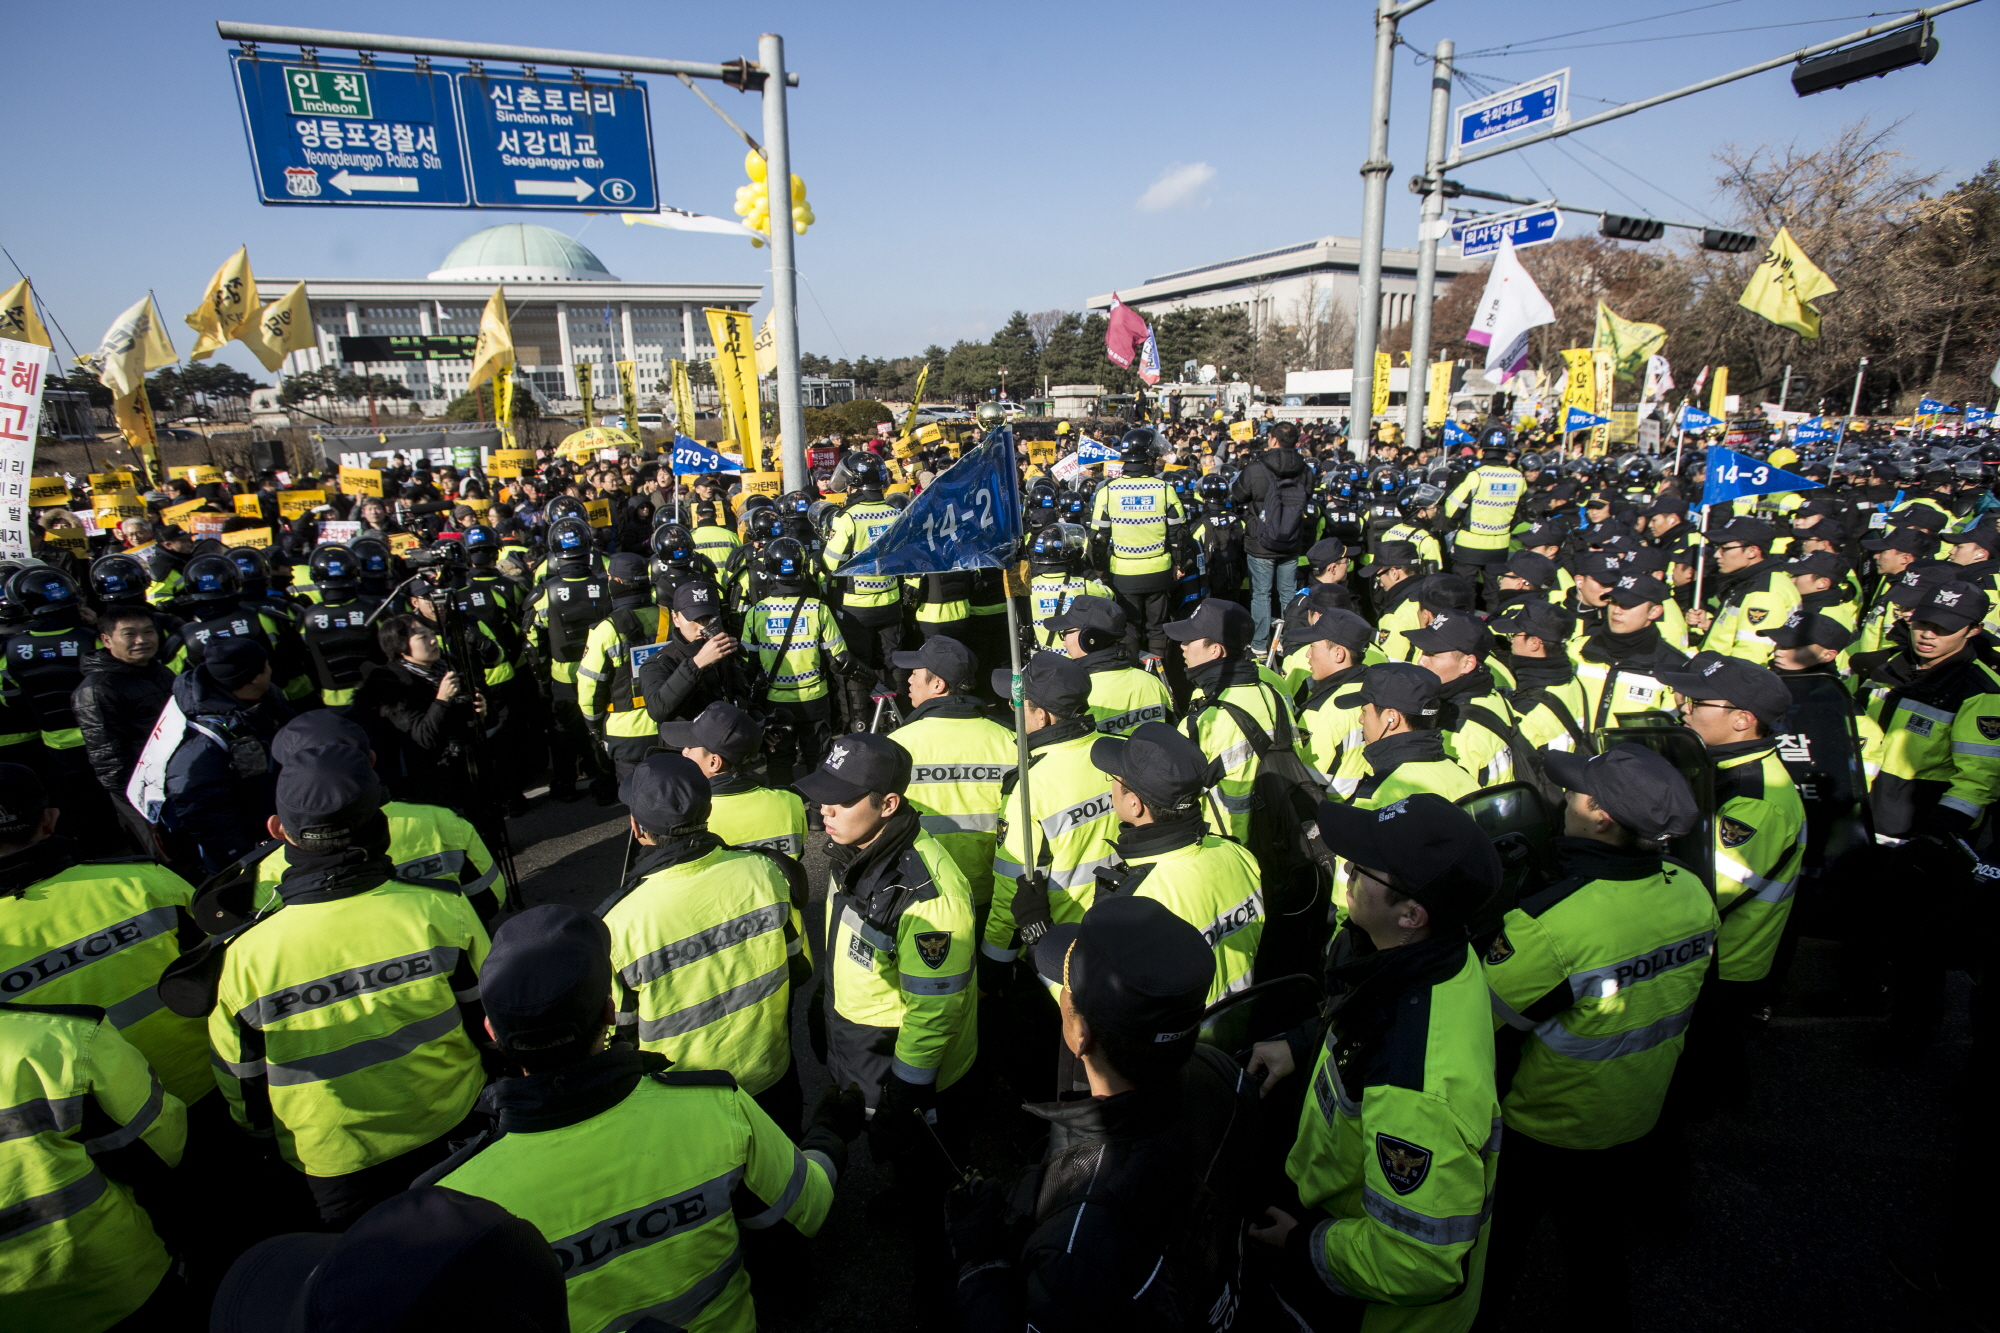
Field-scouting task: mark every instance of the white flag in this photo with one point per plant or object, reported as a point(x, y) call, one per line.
point(1510, 306)
point(1659, 380)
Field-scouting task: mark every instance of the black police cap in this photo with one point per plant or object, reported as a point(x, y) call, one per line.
point(326, 794)
point(546, 979)
point(1051, 682)
point(1404, 686)
point(1166, 769)
point(855, 765)
point(1217, 619)
point(1635, 786)
point(942, 656)
point(722, 728)
point(668, 795)
point(1088, 612)
point(1430, 849)
point(1133, 969)
point(1732, 680)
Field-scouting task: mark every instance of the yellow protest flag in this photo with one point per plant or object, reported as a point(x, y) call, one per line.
point(494, 352)
point(228, 307)
point(282, 327)
point(1628, 341)
point(503, 405)
point(1437, 394)
point(1581, 391)
point(628, 395)
point(134, 416)
point(916, 401)
point(767, 348)
point(135, 343)
point(1380, 403)
point(18, 319)
point(1782, 287)
point(735, 368)
point(683, 396)
point(1718, 394)
point(587, 392)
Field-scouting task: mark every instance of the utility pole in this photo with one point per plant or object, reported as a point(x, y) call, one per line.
point(1374, 204)
point(1785, 389)
point(784, 270)
point(1430, 232)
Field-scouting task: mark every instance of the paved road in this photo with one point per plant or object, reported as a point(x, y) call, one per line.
point(1792, 1198)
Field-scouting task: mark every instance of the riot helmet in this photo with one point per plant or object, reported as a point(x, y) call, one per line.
point(865, 471)
point(335, 568)
point(1139, 450)
point(482, 546)
point(210, 577)
point(673, 544)
point(1415, 499)
point(118, 579)
point(1059, 548)
point(785, 561)
point(569, 541)
point(42, 590)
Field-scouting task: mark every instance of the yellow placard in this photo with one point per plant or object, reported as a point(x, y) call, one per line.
point(47, 492)
point(255, 538)
point(900, 488)
point(1041, 451)
point(930, 434)
point(249, 506)
point(503, 469)
point(118, 480)
point(1242, 430)
point(74, 540)
point(173, 513)
point(361, 480)
point(598, 512)
point(474, 503)
point(400, 542)
point(518, 457)
point(834, 497)
point(763, 483)
point(295, 504)
point(116, 506)
point(203, 475)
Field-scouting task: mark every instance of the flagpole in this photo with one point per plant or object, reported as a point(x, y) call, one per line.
point(1701, 564)
point(1028, 856)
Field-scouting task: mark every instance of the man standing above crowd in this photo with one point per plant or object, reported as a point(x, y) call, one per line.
point(1274, 489)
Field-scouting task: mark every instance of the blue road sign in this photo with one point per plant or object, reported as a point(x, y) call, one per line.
point(584, 145)
point(1537, 104)
point(337, 132)
point(1483, 238)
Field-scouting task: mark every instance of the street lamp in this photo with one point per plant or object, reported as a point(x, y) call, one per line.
point(1003, 384)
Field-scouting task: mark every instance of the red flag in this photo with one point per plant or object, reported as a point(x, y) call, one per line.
point(1125, 332)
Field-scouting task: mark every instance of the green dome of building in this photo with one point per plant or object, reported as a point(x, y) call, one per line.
point(521, 252)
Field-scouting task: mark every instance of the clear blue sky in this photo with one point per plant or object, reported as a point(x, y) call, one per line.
point(964, 161)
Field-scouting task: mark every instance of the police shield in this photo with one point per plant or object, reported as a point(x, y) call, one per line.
point(1685, 751)
point(1521, 826)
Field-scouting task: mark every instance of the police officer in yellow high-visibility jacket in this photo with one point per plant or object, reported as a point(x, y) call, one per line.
point(797, 646)
point(1754, 591)
point(1475, 721)
point(347, 1022)
point(89, 1135)
point(1760, 847)
point(1229, 694)
point(1137, 519)
point(425, 841)
point(1166, 852)
point(1487, 497)
point(1336, 648)
point(708, 940)
point(722, 742)
point(93, 932)
point(959, 758)
point(899, 1008)
point(1399, 1137)
point(646, 1181)
point(1067, 826)
point(1596, 976)
point(607, 684)
point(871, 608)
point(1121, 695)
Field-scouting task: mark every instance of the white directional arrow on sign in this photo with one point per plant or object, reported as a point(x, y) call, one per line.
point(347, 183)
point(578, 189)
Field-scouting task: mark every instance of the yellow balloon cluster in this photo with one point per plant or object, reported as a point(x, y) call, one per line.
point(753, 201)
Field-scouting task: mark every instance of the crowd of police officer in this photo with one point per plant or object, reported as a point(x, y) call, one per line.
point(1383, 820)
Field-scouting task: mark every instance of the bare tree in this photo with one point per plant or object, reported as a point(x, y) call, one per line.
point(1042, 324)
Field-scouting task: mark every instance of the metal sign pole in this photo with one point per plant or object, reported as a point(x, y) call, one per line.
point(1417, 395)
point(1019, 702)
point(784, 314)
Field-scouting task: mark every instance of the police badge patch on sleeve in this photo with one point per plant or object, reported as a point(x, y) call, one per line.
point(932, 946)
point(1404, 1164)
point(1735, 832)
point(1500, 950)
point(1989, 727)
point(1758, 615)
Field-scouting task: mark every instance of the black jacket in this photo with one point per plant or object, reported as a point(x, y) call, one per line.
point(1133, 1219)
point(420, 744)
point(676, 690)
point(116, 706)
point(1254, 482)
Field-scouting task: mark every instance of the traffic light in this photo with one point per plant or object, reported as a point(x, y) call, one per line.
point(1914, 45)
point(1621, 228)
point(1728, 242)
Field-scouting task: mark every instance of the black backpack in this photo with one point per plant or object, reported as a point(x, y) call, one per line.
point(1281, 523)
point(1296, 869)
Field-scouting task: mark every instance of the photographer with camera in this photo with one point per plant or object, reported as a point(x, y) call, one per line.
point(420, 715)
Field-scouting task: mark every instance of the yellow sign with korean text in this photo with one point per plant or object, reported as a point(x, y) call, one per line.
point(173, 513)
point(117, 480)
point(296, 504)
point(74, 540)
point(1240, 431)
point(203, 475)
point(400, 542)
point(598, 512)
point(361, 480)
point(477, 504)
point(47, 492)
point(763, 483)
point(256, 539)
point(249, 506)
point(117, 505)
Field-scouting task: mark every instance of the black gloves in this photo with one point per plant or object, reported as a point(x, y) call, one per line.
point(837, 1121)
point(976, 1219)
point(1031, 907)
point(816, 1023)
point(894, 1130)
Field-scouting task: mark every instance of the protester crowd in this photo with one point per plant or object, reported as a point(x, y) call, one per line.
point(1413, 842)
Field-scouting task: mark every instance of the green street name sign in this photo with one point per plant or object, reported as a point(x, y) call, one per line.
point(328, 92)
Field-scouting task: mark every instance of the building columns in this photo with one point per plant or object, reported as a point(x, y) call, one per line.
point(562, 343)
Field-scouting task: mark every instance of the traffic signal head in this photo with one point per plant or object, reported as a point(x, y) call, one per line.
point(1621, 228)
point(1914, 45)
point(1728, 242)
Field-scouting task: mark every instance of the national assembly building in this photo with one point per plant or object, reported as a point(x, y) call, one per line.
point(563, 305)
